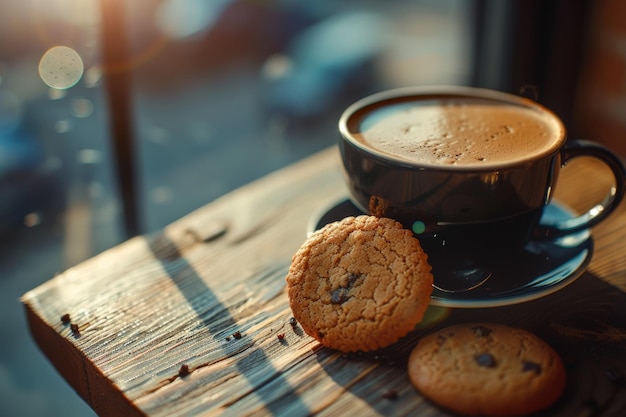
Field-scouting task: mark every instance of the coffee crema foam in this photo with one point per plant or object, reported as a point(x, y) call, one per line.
point(457, 131)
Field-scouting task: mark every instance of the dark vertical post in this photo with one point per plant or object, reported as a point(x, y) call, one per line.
point(538, 43)
point(117, 81)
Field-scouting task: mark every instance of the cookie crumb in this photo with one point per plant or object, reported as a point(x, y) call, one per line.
point(65, 318)
point(281, 336)
point(75, 329)
point(237, 335)
point(184, 370)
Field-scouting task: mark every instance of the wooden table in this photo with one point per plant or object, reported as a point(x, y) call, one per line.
point(194, 320)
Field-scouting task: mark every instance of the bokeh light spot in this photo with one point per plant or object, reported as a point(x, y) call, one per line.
point(61, 67)
point(88, 156)
point(32, 219)
point(418, 227)
point(81, 107)
point(157, 135)
point(63, 126)
point(93, 76)
point(277, 66)
point(161, 195)
point(178, 19)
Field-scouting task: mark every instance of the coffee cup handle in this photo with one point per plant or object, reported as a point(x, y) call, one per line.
point(584, 148)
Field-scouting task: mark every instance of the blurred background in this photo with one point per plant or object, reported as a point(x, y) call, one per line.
point(118, 117)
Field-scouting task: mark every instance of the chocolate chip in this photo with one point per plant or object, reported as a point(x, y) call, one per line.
point(481, 331)
point(228, 338)
point(183, 371)
point(339, 296)
point(65, 318)
point(352, 278)
point(237, 335)
point(529, 366)
point(485, 359)
point(75, 330)
point(293, 322)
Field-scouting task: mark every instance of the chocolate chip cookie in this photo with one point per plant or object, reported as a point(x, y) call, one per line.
point(359, 284)
point(487, 369)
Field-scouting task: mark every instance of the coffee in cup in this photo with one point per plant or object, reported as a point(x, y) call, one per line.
point(457, 132)
point(453, 162)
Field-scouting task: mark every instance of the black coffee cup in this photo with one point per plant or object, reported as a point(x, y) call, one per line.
point(452, 163)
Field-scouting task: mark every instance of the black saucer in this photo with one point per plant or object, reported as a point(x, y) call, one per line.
point(508, 277)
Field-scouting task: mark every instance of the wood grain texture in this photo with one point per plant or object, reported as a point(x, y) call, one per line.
point(208, 293)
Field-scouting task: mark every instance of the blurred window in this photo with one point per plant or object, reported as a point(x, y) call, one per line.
point(220, 93)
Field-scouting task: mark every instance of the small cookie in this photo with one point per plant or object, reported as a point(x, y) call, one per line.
point(487, 369)
point(359, 284)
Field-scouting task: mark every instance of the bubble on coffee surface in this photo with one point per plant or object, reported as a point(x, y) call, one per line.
point(458, 131)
